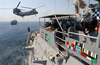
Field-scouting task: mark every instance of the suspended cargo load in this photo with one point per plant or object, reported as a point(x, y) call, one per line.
point(13, 22)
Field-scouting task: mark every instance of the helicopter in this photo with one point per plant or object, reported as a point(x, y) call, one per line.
point(21, 13)
point(18, 12)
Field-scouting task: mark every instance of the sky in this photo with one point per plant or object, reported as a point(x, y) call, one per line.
point(6, 15)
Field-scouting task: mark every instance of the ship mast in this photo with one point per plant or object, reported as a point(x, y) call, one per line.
point(79, 4)
point(77, 11)
point(68, 6)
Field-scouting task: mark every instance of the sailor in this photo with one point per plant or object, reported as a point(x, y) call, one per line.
point(54, 24)
point(47, 24)
point(63, 26)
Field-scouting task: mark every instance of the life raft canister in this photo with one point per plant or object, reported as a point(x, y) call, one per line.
point(28, 29)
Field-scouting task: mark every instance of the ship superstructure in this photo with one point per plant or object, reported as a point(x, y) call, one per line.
point(69, 39)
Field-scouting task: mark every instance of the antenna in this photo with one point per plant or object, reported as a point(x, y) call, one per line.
point(68, 6)
point(88, 3)
point(55, 6)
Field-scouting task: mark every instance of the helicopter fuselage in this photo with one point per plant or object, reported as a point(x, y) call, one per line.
point(27, 13)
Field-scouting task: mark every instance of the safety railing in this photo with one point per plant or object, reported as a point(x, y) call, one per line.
point(63, 46)
point(83, 35)
point(67, 35)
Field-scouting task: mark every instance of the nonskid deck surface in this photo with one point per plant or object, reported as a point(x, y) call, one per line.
point(39, 58)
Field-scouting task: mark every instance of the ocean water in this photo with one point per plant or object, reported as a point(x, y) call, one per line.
point(11, 39)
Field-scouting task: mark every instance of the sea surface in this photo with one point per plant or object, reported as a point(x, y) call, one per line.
point(12, 38)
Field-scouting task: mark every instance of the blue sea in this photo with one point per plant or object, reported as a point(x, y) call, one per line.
point(12, 38)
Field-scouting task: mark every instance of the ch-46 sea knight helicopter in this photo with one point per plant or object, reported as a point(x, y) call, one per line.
point(18, 12)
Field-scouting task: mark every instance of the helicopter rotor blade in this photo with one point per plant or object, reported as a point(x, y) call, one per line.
point(22, 9)
point(18, 4)
point(6, 8)
point(40, 6)
point(26, 7)
point(32, 8)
